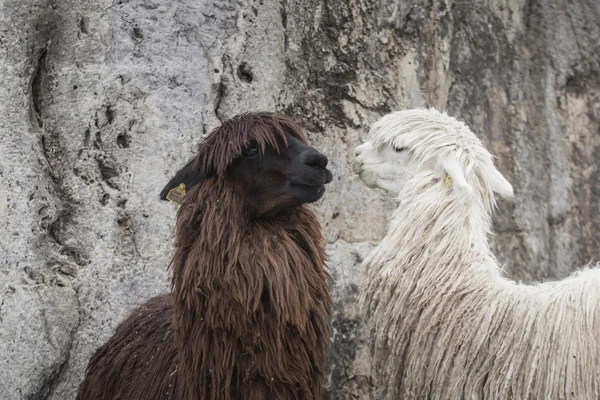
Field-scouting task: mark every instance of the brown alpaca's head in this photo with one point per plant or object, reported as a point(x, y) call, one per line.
point(265, 156)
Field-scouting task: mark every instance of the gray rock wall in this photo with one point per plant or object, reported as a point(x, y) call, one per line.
point(102, 101)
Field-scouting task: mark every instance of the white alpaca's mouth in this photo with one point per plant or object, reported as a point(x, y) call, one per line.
point(356, 166)
point(368, 178)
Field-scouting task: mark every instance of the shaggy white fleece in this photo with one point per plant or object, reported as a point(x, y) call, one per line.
point(444, 321)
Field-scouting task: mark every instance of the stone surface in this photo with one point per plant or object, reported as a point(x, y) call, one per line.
point(102, 101)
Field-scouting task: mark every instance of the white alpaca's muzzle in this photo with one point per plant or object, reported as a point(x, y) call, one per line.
point(368, 177)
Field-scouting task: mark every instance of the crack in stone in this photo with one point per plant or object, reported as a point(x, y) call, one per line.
point(39, 77)
point(221, 91)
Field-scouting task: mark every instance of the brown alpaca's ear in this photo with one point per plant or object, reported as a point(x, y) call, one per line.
point(182, 182)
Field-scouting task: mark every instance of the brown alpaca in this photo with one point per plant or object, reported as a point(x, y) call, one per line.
point(247, 318)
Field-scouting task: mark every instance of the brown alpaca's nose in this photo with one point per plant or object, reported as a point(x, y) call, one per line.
point(314, 159)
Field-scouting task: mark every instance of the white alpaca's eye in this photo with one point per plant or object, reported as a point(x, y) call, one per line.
point(399, 149)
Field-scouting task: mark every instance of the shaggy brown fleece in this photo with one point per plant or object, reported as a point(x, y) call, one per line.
point(251, 304)
point(248, 315)
point(139, 361)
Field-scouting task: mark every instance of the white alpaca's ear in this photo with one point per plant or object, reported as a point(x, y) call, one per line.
point(499, 183)
point(455, 172)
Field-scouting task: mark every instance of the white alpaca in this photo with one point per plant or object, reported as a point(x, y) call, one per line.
point(444, 321)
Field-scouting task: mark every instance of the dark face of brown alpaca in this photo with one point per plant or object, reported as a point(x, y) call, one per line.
point(274, 180)
point(272, 176)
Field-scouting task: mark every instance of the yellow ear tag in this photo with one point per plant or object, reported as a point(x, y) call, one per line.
point(448, 181)
point(177, 194)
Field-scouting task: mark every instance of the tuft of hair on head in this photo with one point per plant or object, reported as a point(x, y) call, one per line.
point(225, 143)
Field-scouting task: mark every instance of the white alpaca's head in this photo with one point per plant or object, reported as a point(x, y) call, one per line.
point(415, 149)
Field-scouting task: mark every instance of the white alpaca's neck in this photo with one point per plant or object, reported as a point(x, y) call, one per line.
point(434, 254)
point(438, 223)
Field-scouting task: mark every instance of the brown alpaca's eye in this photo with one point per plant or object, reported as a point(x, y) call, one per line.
point(251, 151)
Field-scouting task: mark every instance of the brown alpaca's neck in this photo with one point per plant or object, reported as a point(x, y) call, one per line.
point(221, 251)
point(241, 286)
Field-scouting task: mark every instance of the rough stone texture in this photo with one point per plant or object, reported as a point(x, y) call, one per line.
point(102, 101)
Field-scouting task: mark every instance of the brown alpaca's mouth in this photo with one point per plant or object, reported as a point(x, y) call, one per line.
point(313, 180)
point(310, 187)
point(328, 176)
